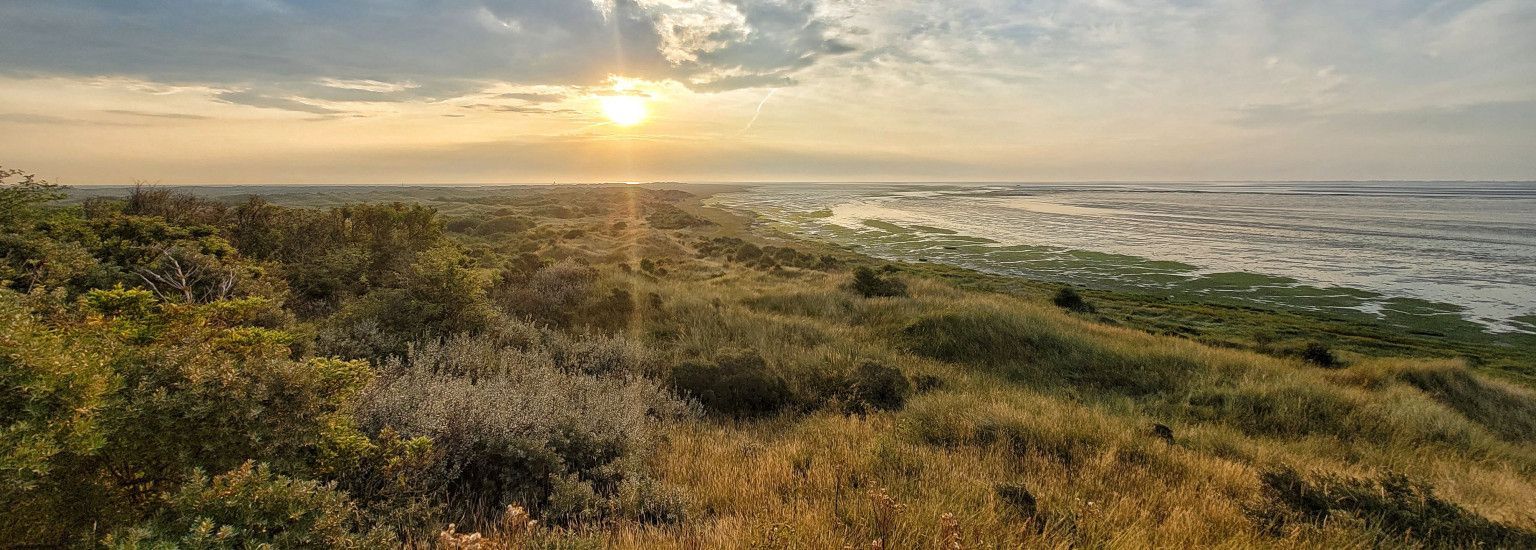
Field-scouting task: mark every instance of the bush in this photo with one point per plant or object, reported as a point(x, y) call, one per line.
point(1400, 507)
point(250, 507)
point(870, 284)
point(1067, 298)
point(1320, 355)
point(1017, 498)
point(553, 293)
point(508, 432)
point(877, 387)
point(738, 384)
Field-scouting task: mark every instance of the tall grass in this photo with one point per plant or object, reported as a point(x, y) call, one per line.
point(1040, 432)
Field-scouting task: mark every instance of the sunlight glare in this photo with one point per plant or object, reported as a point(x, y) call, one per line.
point(624, 110)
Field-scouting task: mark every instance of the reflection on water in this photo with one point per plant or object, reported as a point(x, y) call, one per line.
point(1472, 244)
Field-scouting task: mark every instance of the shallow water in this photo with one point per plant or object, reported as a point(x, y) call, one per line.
point(1393, 250)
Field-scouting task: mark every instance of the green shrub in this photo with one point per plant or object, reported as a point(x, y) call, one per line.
point(870, 284)
point(649, 501)
point(250, 507)
point(737, 384)
point(1320, 355)
point(1401, 508)
point(1067, 298)
point(876, 387)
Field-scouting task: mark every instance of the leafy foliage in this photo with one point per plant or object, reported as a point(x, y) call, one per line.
point(251, 507)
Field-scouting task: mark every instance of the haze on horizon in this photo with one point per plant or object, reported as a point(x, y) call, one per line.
point(343, 91)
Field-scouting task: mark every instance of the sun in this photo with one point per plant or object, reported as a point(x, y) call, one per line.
point(624, 110)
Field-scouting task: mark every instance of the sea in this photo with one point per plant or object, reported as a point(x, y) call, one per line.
point(1412, 252)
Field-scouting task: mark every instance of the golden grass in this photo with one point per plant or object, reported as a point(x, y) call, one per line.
point(1054, 403)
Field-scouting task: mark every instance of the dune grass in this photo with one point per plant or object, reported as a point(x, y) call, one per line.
point(1020, 423)
point(1061, 407)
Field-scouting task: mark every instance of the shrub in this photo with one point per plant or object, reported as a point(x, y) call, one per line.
point(1067, 298)
point(877, 387)
point(1017, 498)
point(250, 507)
point(521, 422)
point(553, 293)
point(648, 501)
point(870, 284)
point(461, 225)
point(1319, 354)
point(666, 216)
point(1392, 503)
point(504, 225)
point(738, 384)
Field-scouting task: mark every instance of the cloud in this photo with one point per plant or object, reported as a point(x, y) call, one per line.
point(176, 116)
point(254, 99)
point(532, 97)
point(33, 118)
point(362, 50)
point(1489, 118)
point(524, 109)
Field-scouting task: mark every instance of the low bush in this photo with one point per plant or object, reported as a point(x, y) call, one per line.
point(737, 384)
point(876, 387)
point(522, 431)
point(1067, 298)
point(505, 225)
point(871, 284)
point(1320, 355)
point(250, 507)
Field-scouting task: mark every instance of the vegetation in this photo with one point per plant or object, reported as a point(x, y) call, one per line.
point(1067, 298)
point(621, 366)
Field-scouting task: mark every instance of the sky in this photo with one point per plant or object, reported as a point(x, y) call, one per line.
point(514, 91)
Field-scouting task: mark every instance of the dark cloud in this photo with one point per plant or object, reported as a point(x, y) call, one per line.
point(280, 49)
